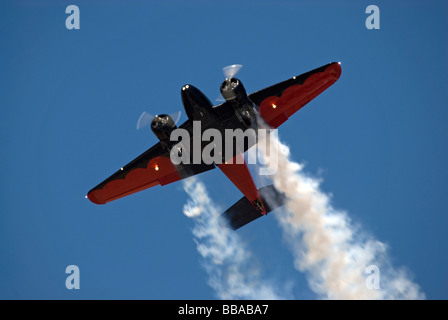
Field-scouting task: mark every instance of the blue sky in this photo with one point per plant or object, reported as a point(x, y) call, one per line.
point(70, 100)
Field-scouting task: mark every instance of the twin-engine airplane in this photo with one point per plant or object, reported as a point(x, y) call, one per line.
point(274, 104)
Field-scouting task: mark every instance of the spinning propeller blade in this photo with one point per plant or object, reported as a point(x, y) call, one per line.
point(232, 70)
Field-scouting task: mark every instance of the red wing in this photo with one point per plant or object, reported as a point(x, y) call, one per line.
point(152, 168)
point(278, 102)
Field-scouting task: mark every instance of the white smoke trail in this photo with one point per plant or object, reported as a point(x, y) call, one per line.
point(231, 268)
point(326, 245)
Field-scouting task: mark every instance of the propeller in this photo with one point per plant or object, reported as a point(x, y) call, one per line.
point(146, 118)
point(229, 73)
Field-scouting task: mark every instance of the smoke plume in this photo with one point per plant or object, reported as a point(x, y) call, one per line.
point(231, 267)
point(340, 260)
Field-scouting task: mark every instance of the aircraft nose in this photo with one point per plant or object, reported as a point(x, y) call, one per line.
point(188, 92)
point(193, 96)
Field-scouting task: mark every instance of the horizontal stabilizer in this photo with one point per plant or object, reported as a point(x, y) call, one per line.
point(243, 212)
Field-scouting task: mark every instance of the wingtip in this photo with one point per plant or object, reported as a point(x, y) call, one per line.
point(336, 68)
point(93, 198)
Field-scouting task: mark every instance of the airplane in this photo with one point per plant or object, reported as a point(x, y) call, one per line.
point(275, 104)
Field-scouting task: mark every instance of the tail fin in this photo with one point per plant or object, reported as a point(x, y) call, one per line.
point(243, 212)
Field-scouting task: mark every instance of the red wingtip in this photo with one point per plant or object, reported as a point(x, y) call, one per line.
point(92, 197)
point(336, 69)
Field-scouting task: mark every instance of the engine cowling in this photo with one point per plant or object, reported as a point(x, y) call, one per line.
point(162, 126)
point(234, 93)
point(232, 89)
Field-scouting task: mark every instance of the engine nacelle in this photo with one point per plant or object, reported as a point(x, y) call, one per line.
point(162, 126)
point(234, 93)
point(232, 89)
